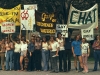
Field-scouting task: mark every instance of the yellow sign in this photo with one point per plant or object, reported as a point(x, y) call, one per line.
point(10, 15)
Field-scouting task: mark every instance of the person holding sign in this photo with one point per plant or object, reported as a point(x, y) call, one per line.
point(17, 47)
point(54, 48)
point(96, 47)
point(76, 50)
point(85, 54)
point(62, 55)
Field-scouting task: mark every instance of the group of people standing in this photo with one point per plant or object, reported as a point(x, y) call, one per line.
point(29, 55)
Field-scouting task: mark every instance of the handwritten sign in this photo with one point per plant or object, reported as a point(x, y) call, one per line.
point(27, 19)
point(8, 27)
point(88, 34)
point(30, 7)
point(63, 29)
point(10, 15)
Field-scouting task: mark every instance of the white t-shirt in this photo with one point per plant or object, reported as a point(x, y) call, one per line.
point(84, 47)
point(54, 46)
point(17, 47)
point(61, 44)
point(45, 46)
point(24, 47)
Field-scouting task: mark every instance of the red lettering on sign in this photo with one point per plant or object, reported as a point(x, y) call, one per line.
point(5, 31)
point(7, 24)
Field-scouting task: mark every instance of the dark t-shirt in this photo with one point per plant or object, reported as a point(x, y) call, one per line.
point(68, 42)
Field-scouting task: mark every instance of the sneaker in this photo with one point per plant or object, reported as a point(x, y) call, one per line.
point(77, 71)
point(83, 71)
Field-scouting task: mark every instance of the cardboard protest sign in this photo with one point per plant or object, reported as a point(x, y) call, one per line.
point(63, 29)
point(88, 34)
point(8, 27)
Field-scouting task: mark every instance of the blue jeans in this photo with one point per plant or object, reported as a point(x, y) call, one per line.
point(9, 58)
point(96, 58)
point(45, 58)
point(16, 61)
point(54, 66)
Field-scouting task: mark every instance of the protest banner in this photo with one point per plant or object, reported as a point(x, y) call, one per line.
point(10, 15)
point(31, 7)
point(63, 29)
point(8, 27)
point(27, 19)
point(83, 19)
point(45, 22)
point(88, 34)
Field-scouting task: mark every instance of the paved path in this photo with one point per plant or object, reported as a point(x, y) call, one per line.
point(72, 72)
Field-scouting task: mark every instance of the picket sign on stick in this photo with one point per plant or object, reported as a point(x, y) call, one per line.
point(8, 37)
point(26, 34)
point(20, 32)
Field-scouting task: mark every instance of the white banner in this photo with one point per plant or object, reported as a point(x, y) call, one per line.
point(63, 29)
point(88, 34)
point(27, 19)
point(30, 7)
point(8, 27)
point(83, 19)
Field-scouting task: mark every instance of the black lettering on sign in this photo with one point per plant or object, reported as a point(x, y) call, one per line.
point(87, 36)
point(13, 20)
point(86, 31)
point(23, 27)
point(62, 31)
point(61, 26)
point(15, 13)
point(4, 13)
